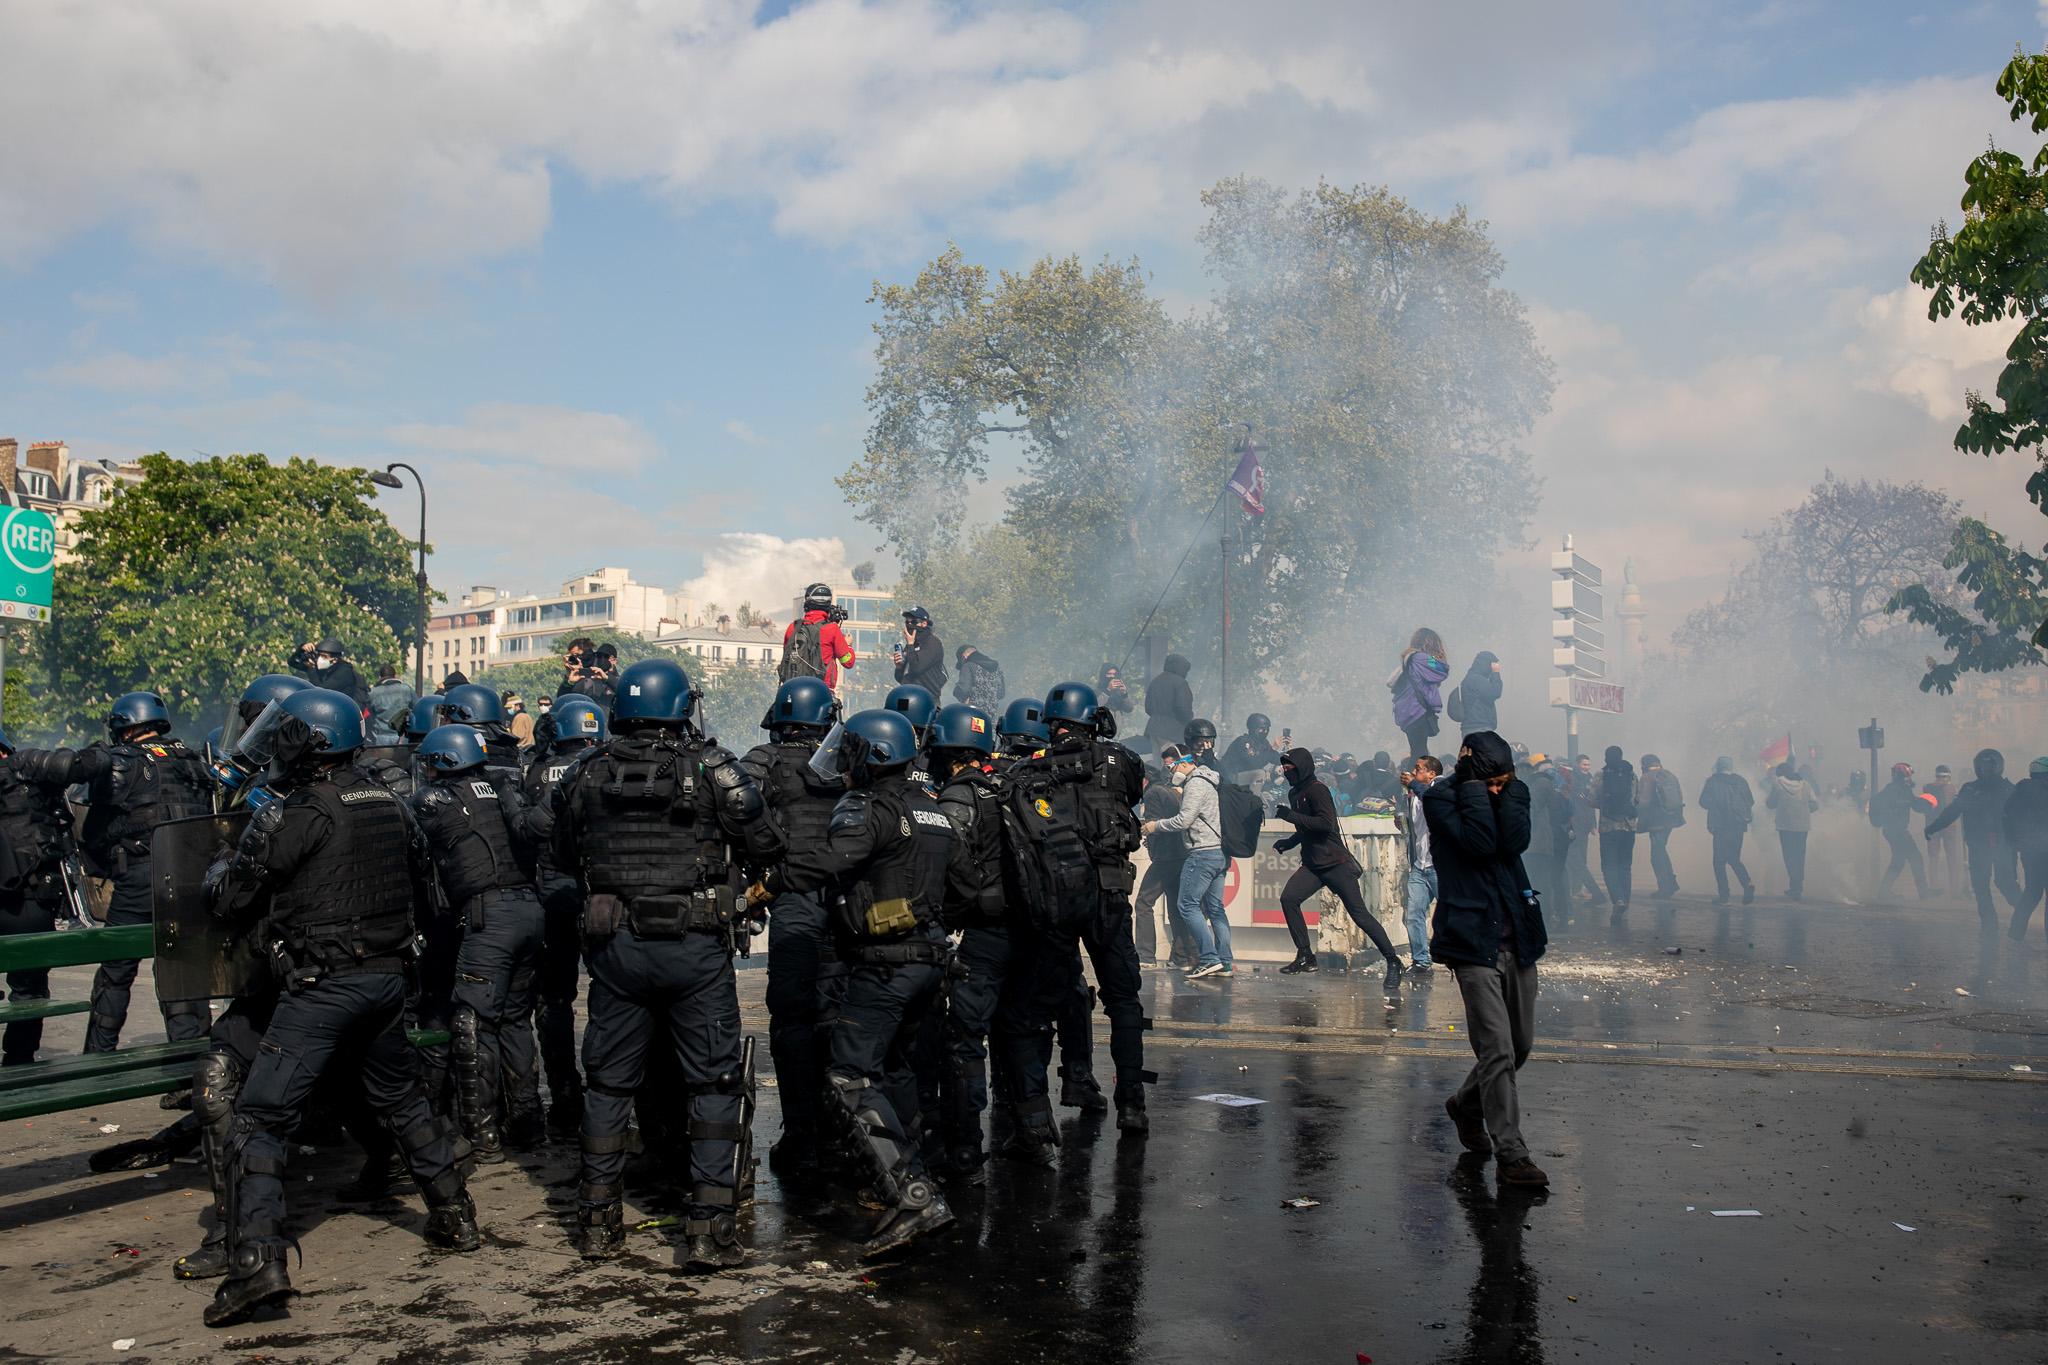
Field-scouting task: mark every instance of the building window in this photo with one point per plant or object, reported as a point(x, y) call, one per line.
point(594, 606)
point(525, 616)
point(740, 654)
point(557, 611)
point(717, 652)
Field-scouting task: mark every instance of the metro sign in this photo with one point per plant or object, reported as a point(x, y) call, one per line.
point(28, 554)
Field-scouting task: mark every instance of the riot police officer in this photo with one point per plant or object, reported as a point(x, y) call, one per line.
point(658, 821)
point(142, 778)
point(1022, 731)
point(919, 707)
point(35, 827)
point(425, 715)
point(805, 977)
point(1098, 782)
point(478, 706)
point(327, 877)
point(891, 863)
point(568, 732)
point(473, 819)
point(962, 743)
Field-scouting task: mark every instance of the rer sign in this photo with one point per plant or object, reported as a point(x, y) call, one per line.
point(28, 551)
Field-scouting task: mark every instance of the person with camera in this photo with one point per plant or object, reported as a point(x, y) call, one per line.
point(324, 663)
point(814, 645)
point(589, 670)
point(921, 658)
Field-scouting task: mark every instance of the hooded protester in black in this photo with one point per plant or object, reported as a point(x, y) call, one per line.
point(1169, 704)
point(1617, 795)
point(1980, 805)
point(1325, 865)
point(1479, 694)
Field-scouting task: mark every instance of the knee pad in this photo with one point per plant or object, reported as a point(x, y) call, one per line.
point(216, 1082)
point(463, 1039)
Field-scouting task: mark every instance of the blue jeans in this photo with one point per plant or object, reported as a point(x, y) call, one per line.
point(1421, 891)
point(1201, 906)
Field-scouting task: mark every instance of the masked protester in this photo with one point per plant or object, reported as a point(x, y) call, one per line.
point(1891, 812)
point(1490, 932)
point(324, 663)
point(2026, 829)
point(1729, 804)
point(1618, 799)
point(1326, 865)
point(1980, 806)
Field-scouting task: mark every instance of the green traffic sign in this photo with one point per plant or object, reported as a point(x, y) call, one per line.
point(28, 551)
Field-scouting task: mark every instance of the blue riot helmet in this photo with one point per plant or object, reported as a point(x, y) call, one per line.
point(865, 747)
point(1073, 704)
point(962, 727)
point(426, 714)
point(137, 709)
point(332, 716)
point(801, 704)
point(653, 692)
point(577, 720)
point(473, 704)
point(452, 749)
point(914, 704)
point(260, 692)
point(1023, 723)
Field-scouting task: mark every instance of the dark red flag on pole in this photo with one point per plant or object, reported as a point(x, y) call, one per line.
point(1249, 482)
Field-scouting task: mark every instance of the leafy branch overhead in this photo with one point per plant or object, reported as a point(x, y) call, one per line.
point(1994, 269)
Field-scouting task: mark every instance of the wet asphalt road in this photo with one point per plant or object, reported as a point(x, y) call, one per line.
point(1815, 1064)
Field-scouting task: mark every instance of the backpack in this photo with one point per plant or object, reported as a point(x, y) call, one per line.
point(1454, 705)
point(1046, 868)
point(803, 654)
point(1240, 813)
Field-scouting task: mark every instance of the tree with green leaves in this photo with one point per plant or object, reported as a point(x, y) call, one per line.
point(1994, 270)
point(206, 574)
point(1367, 346)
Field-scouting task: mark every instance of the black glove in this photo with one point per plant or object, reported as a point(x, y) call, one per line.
point(1287, 844)
point(1284, 813)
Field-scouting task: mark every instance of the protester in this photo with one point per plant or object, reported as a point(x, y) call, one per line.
point(324, 663)
point(1200, 823)
point(1325, 864)
point(2026, 828)
point(1476, 699)
point(813, 645)
point(1663, 811)
point(1619, 801)
point(1944, 850)
point(1489, 931)
point(980, 683)
point(520, 723)
point(1791, 797)
point(1422, 884)
point(1549, 831)
point(1378, 780)
point(1891, 811)
point(1980, 805)
point(1729, 804)
point(921, 658)
point(1114, 691)
point(1415, 684)
point(1169, 704)
point(389, 704)
point(1582, 799)
point(1166, 854)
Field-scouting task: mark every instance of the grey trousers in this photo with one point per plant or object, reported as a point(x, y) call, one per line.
point(1500, 1019)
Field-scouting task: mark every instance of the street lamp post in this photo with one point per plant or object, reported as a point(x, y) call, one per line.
point(386, 479)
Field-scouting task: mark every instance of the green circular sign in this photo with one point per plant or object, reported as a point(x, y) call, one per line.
point(30, 540)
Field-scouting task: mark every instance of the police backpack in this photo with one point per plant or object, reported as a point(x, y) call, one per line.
point(1047, 871)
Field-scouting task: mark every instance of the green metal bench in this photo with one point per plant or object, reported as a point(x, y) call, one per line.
point(71, 948)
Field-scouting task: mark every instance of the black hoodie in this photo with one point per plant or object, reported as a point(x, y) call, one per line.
point(1314, 817)
point(1478, 692)
point(1169, 704)
point(1980, 805)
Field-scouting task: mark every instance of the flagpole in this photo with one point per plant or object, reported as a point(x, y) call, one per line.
point(1223, 706)
point(1158, 601)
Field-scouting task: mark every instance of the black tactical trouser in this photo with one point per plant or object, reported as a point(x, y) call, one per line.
point(494, 976)
point(1055, 961)
point(975, 993)
point(681, 990)
point(1728, 854)
point(362, 1014)
point(872, 1080)
point(433, 1009)
point(2034, 892)
point(1905, 853)
point(26, 913)
point(806, 982)
point(1993, 864)
point(561, 963)
point(113, 982)
point(1161, 879)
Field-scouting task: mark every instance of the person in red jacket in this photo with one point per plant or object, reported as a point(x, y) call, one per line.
point(833, 645)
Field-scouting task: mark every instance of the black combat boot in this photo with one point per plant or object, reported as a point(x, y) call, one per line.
point(1031, 1139)
point(451, 1214)
point(210, 1261)
point(603, 1228)
point(1304, 961)
point(259, 1281)
point(920, 1211)
point(714, 1243)
point(1080, 1090)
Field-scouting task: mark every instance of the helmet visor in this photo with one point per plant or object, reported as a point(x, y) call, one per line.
point(258, 743)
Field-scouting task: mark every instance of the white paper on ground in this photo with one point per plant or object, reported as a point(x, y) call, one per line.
point(1737, 1213)
point(1229, 1101)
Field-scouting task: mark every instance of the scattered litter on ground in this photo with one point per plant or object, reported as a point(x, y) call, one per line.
point(1903, 1228)
point(667, 1220)
point(1689, 1208)
point(1300, 1201)
point(1674, 952)
point(124, 1343)
point(817, 1265)
point(1612, 1047)
point(1736, 1213)
point(129, 1251)
point(1228, 1101)
point(2020, 1067)
point(1244, 1068)
point(767, 1081)
point(1961, 991)
point(110, 1128)
point(1571, 1298)
point(153, 1175)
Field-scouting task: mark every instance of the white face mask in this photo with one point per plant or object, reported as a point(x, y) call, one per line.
point(323, 662)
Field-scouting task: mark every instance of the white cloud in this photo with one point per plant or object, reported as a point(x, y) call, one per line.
point(743, 433)
point(765, 570)
point(1897, 350)
point(556, 437)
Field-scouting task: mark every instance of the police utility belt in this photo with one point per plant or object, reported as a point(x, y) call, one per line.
point(711, 910)
point(349, 948)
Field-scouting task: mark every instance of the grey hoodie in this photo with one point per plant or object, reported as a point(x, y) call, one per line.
point(1200, 820)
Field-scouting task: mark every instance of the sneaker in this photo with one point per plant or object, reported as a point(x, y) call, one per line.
point(1393, 982)
point(1421, 972)
point(1523, 1171)
point(1749, 895)
point(1471, 1131)
point(1213, 969)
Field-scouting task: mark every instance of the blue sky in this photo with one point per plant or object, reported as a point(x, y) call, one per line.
point(601, 273)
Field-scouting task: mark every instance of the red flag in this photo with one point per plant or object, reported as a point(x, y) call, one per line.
point(1249, 482)
point(1777, 751)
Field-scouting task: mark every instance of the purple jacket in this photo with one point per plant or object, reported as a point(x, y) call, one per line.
point(1415, 686)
